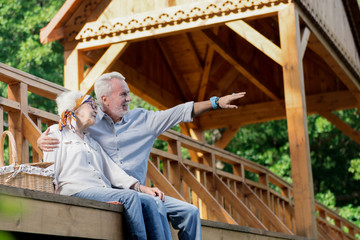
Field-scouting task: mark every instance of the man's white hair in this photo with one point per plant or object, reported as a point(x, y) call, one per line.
point(67, 101)
point(103, 84)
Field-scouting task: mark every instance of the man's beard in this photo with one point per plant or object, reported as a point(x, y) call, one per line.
point(121, 112)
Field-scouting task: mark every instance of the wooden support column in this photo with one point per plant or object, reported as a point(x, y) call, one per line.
point(73, 69)
point(297, 123)
point(18, 92)
point(1, 120)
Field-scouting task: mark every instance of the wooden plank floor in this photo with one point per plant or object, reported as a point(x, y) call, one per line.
point(44, 215)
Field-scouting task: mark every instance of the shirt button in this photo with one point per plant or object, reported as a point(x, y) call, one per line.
point(89, 162)
point(118, 149)
point(121, 162)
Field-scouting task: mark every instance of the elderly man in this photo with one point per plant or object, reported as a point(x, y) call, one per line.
point(128, 136)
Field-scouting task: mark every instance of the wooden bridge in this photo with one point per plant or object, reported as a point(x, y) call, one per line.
point(292, 57)
point(231, 205)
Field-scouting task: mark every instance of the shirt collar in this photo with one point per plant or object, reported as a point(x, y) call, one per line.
point(101, 115)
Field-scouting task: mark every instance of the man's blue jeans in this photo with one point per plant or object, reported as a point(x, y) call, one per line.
point(185, 217)
point(143, 213)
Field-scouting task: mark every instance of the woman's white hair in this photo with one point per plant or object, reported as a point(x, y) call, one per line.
point(67, 101)
point(103, 84)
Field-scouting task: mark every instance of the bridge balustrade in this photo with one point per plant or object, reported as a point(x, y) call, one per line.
point(248, 195)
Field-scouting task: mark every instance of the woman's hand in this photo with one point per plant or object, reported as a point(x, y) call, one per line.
point(153, 192)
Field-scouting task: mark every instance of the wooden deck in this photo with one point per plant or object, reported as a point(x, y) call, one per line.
point(50, 216)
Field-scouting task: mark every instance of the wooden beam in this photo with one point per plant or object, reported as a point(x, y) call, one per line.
point(205, 74)
point(275, 110)
point(19, 92)
point(73, 69)
point(238, 205)
point(257, 39)
point(294, 89)
point(227, 136)
point(35, 84)
point(183, 21)
point(173, 65)
point(146, 88)
point(160, 181)
point(206, 70)
point(212, 205)
point(103, 65)
point(304, 42)
point(231, 57)
point(320, 46)
point(342, 126)
point(55, 209)
point(194, 55)
point(31, 133)
point(265, 210)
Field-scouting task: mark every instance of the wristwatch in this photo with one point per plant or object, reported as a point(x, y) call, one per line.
point(215, 102)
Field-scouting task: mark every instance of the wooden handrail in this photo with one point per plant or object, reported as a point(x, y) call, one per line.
point(220, 195)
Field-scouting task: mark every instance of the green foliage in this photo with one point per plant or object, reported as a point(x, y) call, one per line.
point(355, 168)
point(327, 198)
point(20, 24)
point(351, 213)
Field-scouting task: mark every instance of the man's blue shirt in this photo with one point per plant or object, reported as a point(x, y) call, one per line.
point(130, 141)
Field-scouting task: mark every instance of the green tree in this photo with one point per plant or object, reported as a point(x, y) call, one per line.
point(20, 24)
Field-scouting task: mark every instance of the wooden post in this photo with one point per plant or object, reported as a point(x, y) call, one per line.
point(297, 122)
point(18, 92)
point(73, 69)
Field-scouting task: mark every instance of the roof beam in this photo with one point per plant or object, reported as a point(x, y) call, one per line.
point(227, 136)
point(342, 126)
point(185, 91)
point(231, 57)
point(304, 42)
point(257, 40)
point(205, 74)
point(104, 64)
point(146, 88)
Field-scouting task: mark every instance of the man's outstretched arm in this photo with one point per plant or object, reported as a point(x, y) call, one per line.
point(46, 143)
point(223, 102)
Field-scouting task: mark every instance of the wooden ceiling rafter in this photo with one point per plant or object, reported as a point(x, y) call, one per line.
point(173, 66)
point(209, 56)
point(318, 44)
point(232, 58)
point(104, 64)
point(195, 56)
point(142, 86)
point(256, 39)
point(304, 41)
point(205, 74)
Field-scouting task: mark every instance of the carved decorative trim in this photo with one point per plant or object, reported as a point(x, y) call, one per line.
point(172, 16)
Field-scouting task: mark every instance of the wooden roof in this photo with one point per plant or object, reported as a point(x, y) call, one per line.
point(168, 65)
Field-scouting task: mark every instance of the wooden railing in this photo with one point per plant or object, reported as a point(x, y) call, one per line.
point(250, 196)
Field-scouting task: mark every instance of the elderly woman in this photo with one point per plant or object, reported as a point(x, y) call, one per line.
point(83, 169)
